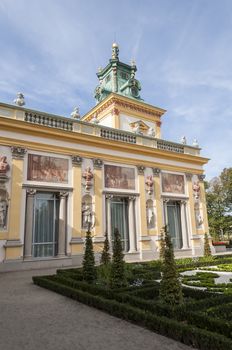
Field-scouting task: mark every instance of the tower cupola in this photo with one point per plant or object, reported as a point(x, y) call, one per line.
point(117, 77)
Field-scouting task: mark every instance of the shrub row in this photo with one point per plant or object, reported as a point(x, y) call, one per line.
point(190, 335)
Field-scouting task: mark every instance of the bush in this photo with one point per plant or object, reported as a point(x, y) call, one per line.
point(89, 270)
point(105, 257)
point(117, 275)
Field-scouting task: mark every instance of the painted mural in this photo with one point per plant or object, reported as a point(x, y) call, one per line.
point(119, 177)
point(49, 169)
point(173, 183)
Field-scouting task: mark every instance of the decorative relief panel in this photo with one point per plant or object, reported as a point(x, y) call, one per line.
point(119, 177)
point(173, 183)
point(47, 169)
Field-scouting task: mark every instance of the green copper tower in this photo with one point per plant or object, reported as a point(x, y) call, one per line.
point(117, 77)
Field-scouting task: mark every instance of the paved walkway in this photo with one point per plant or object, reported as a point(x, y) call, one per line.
point(36, 319)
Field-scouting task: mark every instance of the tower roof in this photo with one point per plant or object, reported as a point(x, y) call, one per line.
point(117, 77)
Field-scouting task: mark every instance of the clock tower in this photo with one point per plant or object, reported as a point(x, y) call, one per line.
point(117, 77)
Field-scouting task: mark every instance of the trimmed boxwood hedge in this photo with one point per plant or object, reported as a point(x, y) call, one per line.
point(144, 313)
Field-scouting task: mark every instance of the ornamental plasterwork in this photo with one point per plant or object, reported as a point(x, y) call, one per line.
point(201, 177)
point(18, 152)
point(97, 163)
point(4, 195)
point(4, 166)
point(141, 169)
point(76, 160)
point(149, 184)
point(156, 171)
point(88, 177)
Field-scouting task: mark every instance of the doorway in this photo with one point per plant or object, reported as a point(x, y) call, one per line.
point(174, 223)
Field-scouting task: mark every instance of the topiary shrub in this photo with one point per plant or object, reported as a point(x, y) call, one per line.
point(207, 251)
point(117, 272)
point(170, 286)
point(89, 270)
point(105, 257)
point(162, 243)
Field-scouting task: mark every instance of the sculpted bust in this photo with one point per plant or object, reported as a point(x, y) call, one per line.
point(4, 166)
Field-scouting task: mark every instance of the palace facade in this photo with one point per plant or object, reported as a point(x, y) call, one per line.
point(109, 169)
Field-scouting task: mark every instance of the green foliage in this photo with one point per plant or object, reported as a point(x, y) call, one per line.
point(170, 286)
point(207, 251)
point(105, 257)
point(117, 277)
point(89, 270)
point(104, 274)
point(219, 204)
point(162, 243)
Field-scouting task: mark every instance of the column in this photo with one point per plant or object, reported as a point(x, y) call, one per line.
point(191, 203)
point(184, 228)
point(142, 199)
point(98, 229)
point(157, 188)
point(13, 246)
point(108, 214)
point(132, 231)
point(29, 223)
point(62, 224)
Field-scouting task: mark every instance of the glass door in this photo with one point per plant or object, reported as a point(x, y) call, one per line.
point(45, 231)
point(119, 220)
point(174, 223)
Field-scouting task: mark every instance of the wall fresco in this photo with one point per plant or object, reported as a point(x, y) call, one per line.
point(173, 183)
point(119, 177)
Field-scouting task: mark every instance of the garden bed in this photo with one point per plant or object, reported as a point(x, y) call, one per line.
point(201, 321)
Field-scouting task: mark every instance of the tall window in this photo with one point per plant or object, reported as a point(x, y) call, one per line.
point(174, 223)
point(119, 219)
point(45, 230)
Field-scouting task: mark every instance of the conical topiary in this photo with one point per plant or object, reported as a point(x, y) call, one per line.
point(162, 243)
point(105, 257)
point(117, 272)
point(170, 286)
point(207, 251)
point(89, 270)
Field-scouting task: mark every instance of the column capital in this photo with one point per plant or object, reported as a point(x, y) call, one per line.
point(97, 163)
point(183, 201)
point(201, 177)
point(31, 192)
point(109, 196)
point(18, 152)
point(141, 169)
point(76, 160)
point(63, 194)
point(189, 176)
point(131, 198)
point(156, 171)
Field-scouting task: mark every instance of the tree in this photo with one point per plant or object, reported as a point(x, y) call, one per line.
point(219, 204)
point(105, 257)
point(170, 286)
point(207, 251)
point(162, 243)
point(117, 272)
point(89, 270)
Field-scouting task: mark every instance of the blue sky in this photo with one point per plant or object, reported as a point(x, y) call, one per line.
point(51, 49)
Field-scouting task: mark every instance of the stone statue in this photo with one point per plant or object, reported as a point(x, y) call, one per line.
point(199, 219)
point(195, 143)
point(196, 189)
point(19, 101)
point(88, 176)
point(88, 217)
point(75, 113)
point(149, 182)
point(183, 140)
point(151, 132)
point(3, 213)
point(4, 166)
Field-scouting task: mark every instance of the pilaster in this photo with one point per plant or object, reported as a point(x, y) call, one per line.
point(98, 183)
point(62, 224)
point(13, 246)
point(203, 202)
point(157, 188)
point(142, 199)
point(29, 223)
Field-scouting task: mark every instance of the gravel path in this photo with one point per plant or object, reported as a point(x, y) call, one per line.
point(37, 319)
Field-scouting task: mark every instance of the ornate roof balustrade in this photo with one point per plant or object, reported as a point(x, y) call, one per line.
point(73, 125)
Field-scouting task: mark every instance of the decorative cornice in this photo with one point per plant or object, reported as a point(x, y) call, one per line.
point(76, 161)
point(18, 152)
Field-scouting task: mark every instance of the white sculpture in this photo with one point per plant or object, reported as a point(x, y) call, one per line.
point(149, 182)
point(88, 176)
point(196, 190)
point(183, 140)
point(75, 113)
point(3, 212)
point(19, 101)
point(95, 120)
point(151, 132)
point(88, 217)
point(195, 143)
